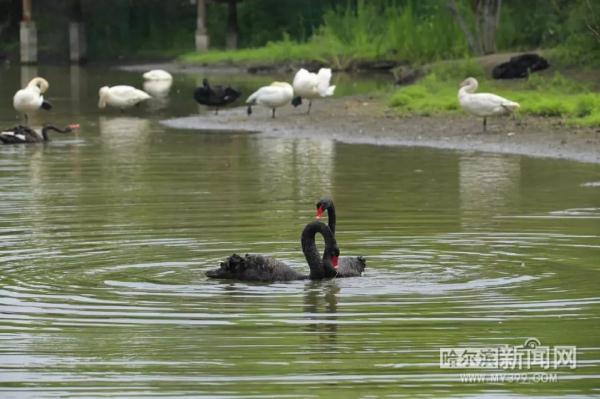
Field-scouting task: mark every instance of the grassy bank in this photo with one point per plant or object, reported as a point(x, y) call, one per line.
point(420, 32)
point(540, 94)
point(413, 31)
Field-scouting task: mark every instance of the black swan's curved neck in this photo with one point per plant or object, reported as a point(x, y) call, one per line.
point(326, 204)
point(319, 268)
point(331, 220)
point(46, 128)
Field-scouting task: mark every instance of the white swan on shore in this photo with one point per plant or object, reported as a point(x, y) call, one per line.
point(30, 99)
point(276, 95)
point(483, 104)
point(121, 96)
point(157, 74)
point(311, 85)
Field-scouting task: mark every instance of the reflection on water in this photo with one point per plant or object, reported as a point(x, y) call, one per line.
point(311, 162)
point(488, 185)
point(107, 235)
point(159, 90)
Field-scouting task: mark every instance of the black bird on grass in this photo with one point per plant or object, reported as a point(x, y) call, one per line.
point(217, 96)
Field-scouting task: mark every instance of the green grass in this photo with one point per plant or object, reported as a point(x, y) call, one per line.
point(284, 50)
point(367, 31)
point(539, 95)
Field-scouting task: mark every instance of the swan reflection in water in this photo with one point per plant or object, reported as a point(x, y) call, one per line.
point(126, 137)
point(159, 90)
point(281, 161)
point(488, 184)
point(321, 298)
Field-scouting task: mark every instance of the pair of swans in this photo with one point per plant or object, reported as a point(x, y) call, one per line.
point(305, 85)
point(263, 268)
point(217, 96)
point(23, 134)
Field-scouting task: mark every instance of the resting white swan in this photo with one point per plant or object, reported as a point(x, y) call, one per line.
point(311, 85)
point(483, 104)
point(157, 74)
point(121, 96)
point(276, 95)
point(30, 99)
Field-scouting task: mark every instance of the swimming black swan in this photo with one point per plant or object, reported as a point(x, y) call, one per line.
point(348, 266)
point(216, 95)
point(263, 268)
point(23, 134)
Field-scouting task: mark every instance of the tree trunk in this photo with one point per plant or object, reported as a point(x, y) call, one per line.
point(488, 17)
point(473, 44)
point(482, 40)
point(232, 25)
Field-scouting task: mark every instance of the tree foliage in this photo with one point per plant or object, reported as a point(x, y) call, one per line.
point(404, 28)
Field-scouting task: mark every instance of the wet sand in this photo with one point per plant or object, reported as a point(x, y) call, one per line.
point(367, 120)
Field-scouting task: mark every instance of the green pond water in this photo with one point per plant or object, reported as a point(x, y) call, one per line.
point(106, 235)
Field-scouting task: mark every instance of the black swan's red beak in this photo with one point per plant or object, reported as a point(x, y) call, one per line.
point(320, 211)
point(74, 126)
point(334, 261)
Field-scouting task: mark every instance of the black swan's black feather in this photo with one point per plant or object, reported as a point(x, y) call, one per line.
point(217, 96)
point(263, 268)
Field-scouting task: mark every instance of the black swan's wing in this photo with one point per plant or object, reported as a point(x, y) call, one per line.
point(254, 268)
point(350, 266)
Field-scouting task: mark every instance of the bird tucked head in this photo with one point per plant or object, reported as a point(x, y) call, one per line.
point(471, 84)
point(40, 83)
point(103, 93)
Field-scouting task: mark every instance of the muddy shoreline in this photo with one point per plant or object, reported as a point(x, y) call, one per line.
point(367, 120)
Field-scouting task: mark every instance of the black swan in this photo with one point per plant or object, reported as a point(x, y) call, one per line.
point(520, 66)
point(348, 266)
point(216, 96)
point(23, 134)
point(263, 268)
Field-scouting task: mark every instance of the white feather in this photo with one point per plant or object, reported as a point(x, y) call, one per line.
point(157, 74)
point(313, 85)
point(30, 98)
point(276, 95)
point(483, 104)
point(121, 96)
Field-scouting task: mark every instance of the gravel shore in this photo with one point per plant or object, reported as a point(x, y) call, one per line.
point(367, 120)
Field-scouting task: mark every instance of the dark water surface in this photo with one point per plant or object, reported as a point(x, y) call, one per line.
point(106, 235)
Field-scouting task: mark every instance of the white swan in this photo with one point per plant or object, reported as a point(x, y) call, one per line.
point(121, 96)
point(30, 99)
point(276, 95)
point(483, 104)
point(311, 85)
point(157, 74)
